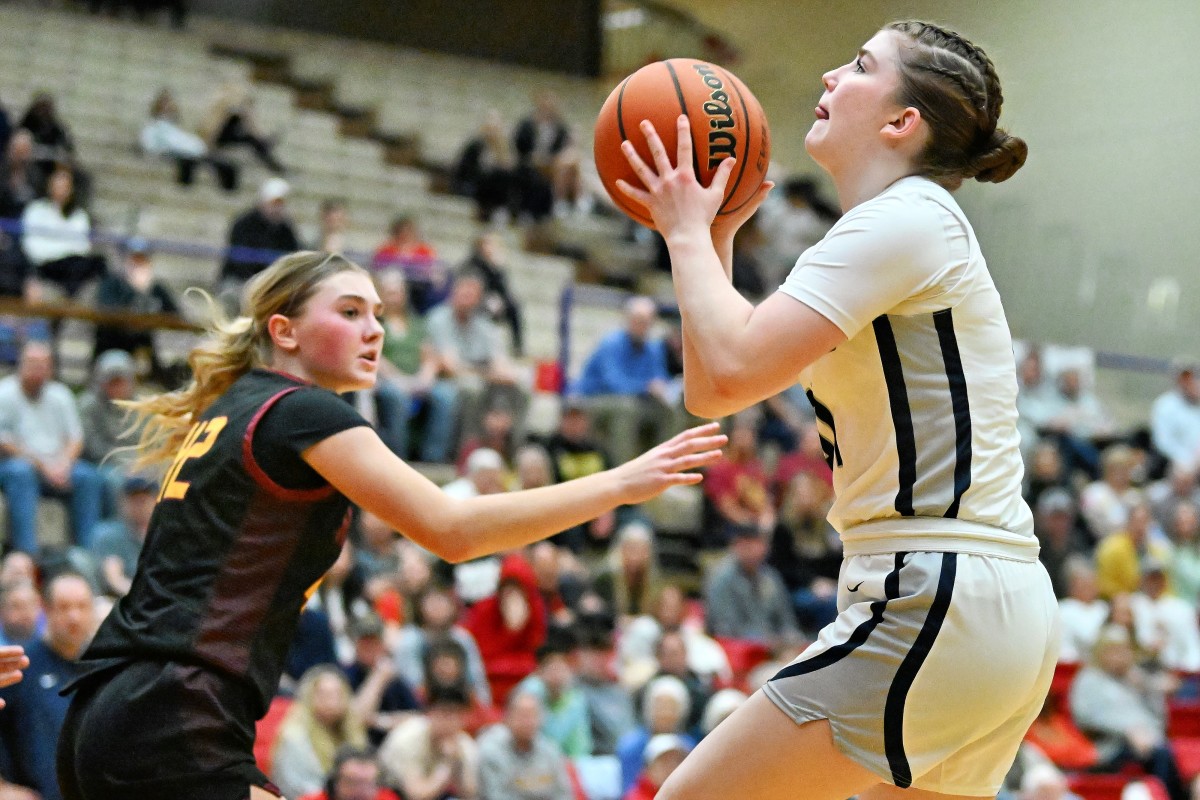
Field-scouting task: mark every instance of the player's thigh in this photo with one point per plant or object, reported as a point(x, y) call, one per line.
point(886, 791)
point(759, 753)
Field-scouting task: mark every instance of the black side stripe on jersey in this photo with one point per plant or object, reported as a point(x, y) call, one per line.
point(891, 590)
point(944, 322)
point(830, 448)
point(906, 439)
point(893, 710)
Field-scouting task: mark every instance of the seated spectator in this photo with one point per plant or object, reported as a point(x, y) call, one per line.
point(516, 761)
point(1081, 417)
point(484, 169)
point(1119, 555)
point(564, 709)
point(41, 441)
point(609, 704)
point(1184, 566)
point(355, 775)
point(118, 542)
point(431, 756)
point(574, 453)
point(56, 237)
point(1166, 625)
point(18, 566)
point(736, 486)
point(1055, 734)
point(382, 699)
point(627, 386)
point(1038, 402)
point(257, 237)
point(745, 597)
point(435, 618)
point(668, 612)
point(321, 720)
point(806, 551)
point(106, 424)
point(135, 289)
point(21, 179)
point(509, 627)
point(34, 710)
point(1123, 710)
point(719, 707)
point(1105, 503)
point(548, 174)
point(407, 251)
point(1178, 485)
point(478, 578)
point(15, 272)
point(54, 147)
point(232, 122)
point(20, 612)
point(1045, 782)
point(561, 580)
point(1054, 524)
point(1046, 472)
point(662, 756)
point(489, 258)
point(332, 223)
point(1082, 613)
point(164, 135)
point(671, 655)
point(407, 371)
point(1175, 420)
point(665, 709)
point(630, 577)
point(472, 360)
point(378, 551)
point(497, 432)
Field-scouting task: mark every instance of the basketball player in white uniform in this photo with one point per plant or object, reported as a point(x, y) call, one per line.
point(945, 644)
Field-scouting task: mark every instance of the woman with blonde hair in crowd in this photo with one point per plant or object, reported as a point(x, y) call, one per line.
point(630, 578)
point(264, 459)
point(321, 720)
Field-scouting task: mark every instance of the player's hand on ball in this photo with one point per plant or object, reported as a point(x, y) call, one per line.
point(676, 200)
point(671, 463)
point(726, 225)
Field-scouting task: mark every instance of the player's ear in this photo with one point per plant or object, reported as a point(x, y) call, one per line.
point(903, 125)
point(282, 332)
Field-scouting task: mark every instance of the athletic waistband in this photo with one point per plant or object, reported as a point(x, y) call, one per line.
point(919, 535)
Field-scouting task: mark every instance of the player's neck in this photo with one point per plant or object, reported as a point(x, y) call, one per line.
point(858, 183)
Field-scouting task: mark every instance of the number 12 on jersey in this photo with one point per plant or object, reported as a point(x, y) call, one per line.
point(199, 441)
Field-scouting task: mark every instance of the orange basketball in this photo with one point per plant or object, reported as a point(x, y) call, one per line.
point(726, 121)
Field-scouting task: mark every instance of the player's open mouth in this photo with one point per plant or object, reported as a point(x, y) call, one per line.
point(822, 113)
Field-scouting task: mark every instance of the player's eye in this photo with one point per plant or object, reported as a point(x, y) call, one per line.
point(858, 65)
point(350, 313)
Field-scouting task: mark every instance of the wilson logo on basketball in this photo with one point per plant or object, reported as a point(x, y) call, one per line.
point(721, 143)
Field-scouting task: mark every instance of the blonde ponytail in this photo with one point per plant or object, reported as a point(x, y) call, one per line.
point(231, 349)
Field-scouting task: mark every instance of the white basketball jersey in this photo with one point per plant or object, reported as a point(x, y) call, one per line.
point(917, 409)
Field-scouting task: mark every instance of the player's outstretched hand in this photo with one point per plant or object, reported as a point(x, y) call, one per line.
point(671, 463)
point(12, 661)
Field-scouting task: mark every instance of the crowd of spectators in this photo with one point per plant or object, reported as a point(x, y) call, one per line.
point(582, 666)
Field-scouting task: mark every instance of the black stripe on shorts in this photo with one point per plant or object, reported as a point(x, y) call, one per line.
point(893, 712)
point(891, 590)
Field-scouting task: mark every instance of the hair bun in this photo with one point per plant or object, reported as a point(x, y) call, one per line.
point(1000, 157)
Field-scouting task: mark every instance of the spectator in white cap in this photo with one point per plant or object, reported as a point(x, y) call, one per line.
point(477, 579)
point(665, 709)
point(266, 228)
point(134, 289)
point(663, 754)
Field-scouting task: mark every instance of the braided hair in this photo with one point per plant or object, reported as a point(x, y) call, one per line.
point(954, 85)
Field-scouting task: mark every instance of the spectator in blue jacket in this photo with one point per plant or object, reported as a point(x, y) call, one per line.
point(627, 384)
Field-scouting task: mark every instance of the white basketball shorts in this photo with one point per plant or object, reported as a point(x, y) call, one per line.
point(934, 668)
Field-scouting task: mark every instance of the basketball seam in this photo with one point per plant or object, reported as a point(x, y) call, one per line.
point(616, 194)
point(620, 100)
point(746, 154)
point(684, 111)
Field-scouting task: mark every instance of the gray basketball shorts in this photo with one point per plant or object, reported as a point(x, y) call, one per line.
point(934, 669)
